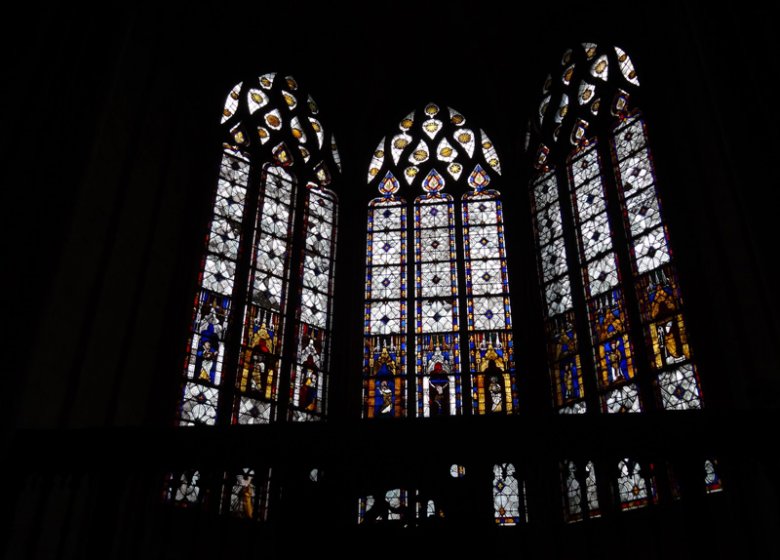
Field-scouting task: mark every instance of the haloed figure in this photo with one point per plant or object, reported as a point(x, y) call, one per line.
point(492, 365)
point(495, 390)
point(670, 341)
point(262, 342)
point(261, 347)
point(568, 381)
point(614, 365)
point(244, 491)
point(386, 395)
point(308, 391)
point(208, 357)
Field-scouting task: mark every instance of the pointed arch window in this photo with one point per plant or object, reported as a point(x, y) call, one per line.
point(616, 331)
point(438, 322)
point(614, 314)
point(580, 495)
point(260, 337)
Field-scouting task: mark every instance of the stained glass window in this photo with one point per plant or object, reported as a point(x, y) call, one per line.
point(613, 351)
point(615, 322)
point(657, 287)
point(509, 507)
point(712, 482)
point(260, 333)
point(580, 494)
point(634, 489)
point(436, 298)
point(385, 308)
point(184, 489)
point(243, 493)
point(617, 338)
point(428, 501)
point(395, 507)
point(246, 494)
point(439, 329)
point(562, 335)
point(487, 286)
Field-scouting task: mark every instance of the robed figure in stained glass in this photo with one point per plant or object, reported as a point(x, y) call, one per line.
point(308, 391)
point(242, 500)
point(211, 325)
point(383, 366)
point(661, 297)
point(570, 388)
point(259, 357)
point(565, 341)
point(384, 398)
point(207, 361)
point(491, 365)
point(670, 341)
point(210, 329)
point(608, 316)
point(496, 393)
point(614, 363)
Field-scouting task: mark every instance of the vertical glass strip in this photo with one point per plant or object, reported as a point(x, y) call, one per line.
point(384, 356)
point(506, 495)
point(309, 375)
point(269, 277)
point(206, 350)
point(634, 489)
point(658, 293)
point(438, 379)
point(613, 351)
point(563, 346)
point(572, 493)
point(580, 498)
point(246, 494)
point(491, 347)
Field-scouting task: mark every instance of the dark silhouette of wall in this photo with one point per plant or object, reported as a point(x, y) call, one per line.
point(111, 149)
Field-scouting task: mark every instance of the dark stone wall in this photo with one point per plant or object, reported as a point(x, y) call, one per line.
point(111, 146)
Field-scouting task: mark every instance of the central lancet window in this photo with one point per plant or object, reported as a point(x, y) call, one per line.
point(438, 339)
